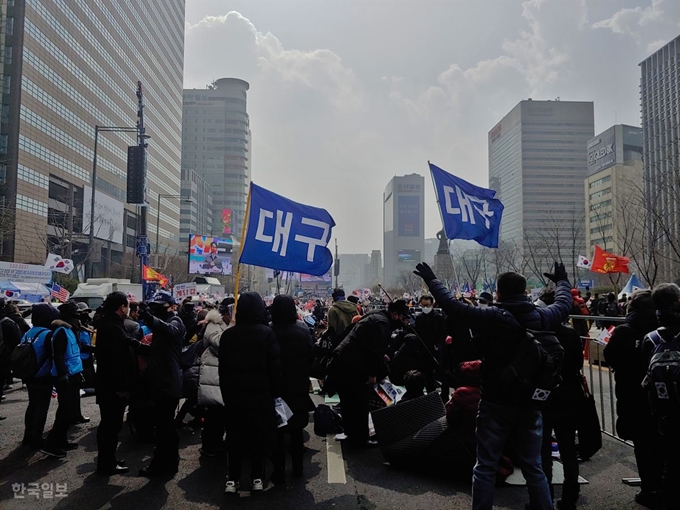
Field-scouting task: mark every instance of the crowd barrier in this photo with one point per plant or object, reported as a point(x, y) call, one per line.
point(600, 377)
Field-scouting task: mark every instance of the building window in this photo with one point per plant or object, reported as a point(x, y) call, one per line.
point(6, 84)
point(4, 114)
point(3, 144)
point(9, 26)
point(8, 55)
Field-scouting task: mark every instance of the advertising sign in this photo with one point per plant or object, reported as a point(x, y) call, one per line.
point(226, 222)
point(308, 278)
point(183, 290)
point(409, 256)
point(408, 215)
point(209, 255)
point(10, 271)
point(602, 155)
point(108, 216)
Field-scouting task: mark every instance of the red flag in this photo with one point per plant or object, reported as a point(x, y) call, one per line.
point(605, 262)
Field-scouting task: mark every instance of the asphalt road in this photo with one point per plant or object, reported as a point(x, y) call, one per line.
point(370, 482)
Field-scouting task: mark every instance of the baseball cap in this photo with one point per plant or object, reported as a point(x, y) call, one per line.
point(163, 297)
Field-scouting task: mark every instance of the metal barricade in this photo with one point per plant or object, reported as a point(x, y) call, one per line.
point(599, 375)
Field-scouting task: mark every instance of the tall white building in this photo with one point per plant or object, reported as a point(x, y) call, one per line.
point(659, 90)
point(537, 164)
point(216, 144)
point(403, 227)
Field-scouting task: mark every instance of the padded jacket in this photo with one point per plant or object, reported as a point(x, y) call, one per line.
point(497, 326)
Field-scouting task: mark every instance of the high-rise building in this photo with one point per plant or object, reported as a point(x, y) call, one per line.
point(537, 164)
point(614, 185)
point(69, 66)
point(403, 227)
point(352, 271)
point(659, 92)
point(216, 144)
point(196, 206)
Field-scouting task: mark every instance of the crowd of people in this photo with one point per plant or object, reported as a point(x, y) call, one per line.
point(230, 362)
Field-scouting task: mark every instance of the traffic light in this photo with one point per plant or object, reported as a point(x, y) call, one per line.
point(135, 175)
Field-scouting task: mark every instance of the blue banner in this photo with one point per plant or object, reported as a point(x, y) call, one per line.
point(468, 211)
point(286, 235)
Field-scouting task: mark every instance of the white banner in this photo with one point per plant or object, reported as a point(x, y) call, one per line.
point(182, 290)
point(9, 271)
point(108, 216)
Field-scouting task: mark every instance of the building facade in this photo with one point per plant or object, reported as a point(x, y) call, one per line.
point(659, 91)
point(195, 206)
point(352, 271)
point(216, 144)
point(69, 66)
point(403, 227)
point(614, 189)
point(537, 164)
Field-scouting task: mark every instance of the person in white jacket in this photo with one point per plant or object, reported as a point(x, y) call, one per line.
point(209, 393)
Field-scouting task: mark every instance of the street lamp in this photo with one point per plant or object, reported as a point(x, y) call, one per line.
point(97, 130)
point(158, 215)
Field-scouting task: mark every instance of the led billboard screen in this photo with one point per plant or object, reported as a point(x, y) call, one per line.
point(209, 255)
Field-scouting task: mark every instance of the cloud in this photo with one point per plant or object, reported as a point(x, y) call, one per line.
point(653, 46)
point(631, 21)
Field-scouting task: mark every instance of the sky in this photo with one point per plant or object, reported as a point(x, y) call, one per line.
point(344, 95)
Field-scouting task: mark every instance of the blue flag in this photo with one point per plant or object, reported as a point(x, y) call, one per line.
point(468, 211)
point(286, 235)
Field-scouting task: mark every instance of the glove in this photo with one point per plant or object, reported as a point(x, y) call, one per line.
point(425, 272)
point(146, 315)
point(559, 274)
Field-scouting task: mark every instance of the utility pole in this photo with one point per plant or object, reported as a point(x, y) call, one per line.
point(336, 268)
point(143, 247)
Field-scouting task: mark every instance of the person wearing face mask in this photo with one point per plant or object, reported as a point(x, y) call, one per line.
point(358, 363)
point(115, 379)
point(431, 327)
point(164, 374)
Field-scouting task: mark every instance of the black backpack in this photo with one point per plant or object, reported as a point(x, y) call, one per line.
point(23, 360)
point(535, 369)
point(611, 310)
point(663, 380)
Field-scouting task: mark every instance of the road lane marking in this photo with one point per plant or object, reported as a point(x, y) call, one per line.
point(334, 460)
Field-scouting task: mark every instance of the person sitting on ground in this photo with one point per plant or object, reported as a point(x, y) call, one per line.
point(414, 382)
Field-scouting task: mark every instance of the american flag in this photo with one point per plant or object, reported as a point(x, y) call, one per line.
point(60, 293)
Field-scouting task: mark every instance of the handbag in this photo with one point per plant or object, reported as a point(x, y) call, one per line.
point(588, 424)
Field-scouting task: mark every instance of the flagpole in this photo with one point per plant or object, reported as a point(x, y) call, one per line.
point(240, 251)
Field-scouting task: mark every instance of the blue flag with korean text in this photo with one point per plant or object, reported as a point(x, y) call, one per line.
point(286, 235)
point(468, 211)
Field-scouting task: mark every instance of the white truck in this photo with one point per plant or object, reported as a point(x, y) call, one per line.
point(208, 285)
point(94, 290)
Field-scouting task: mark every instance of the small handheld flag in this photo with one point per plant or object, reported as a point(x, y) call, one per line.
point(468, 211)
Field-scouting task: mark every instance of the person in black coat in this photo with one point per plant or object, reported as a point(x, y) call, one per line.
point(297, 352)
point(11, 336)
point(250, 379)
point(561, 412)
point(634, 421)
point(164, 374)
point(115, 379)
point(358, 363)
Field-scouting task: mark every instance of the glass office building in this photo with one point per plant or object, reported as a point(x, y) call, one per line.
point(659, 90)
point(537, 164)
point(70, 66)
point(216, 144)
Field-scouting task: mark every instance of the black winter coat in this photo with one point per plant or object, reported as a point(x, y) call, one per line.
point(363, 349)
point(250, 365)
point(297, 353)
point(164, 372)
point(625, 356)
point(117, 367)
point(497, 327)
point(568, 395)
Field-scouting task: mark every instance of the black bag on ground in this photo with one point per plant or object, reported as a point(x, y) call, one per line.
point(535, 369)
point(588, 426)
point(326, 421)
